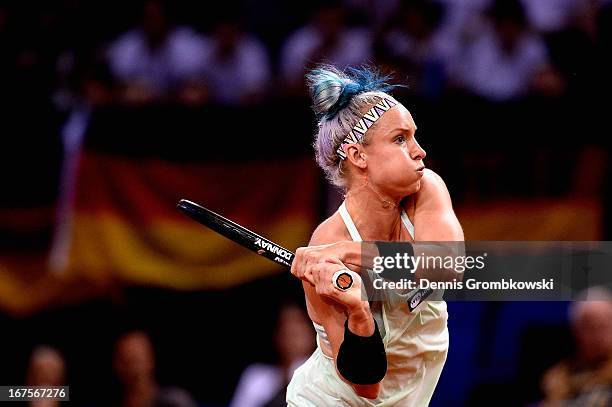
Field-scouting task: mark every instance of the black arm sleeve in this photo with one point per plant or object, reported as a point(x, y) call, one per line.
point(361, 359)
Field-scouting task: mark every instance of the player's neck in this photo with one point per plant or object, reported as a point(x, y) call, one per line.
point(376, 216)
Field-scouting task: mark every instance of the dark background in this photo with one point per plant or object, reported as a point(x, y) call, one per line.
point(533, 147)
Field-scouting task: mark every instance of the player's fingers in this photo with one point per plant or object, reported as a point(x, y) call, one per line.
point(315, 277)
point(297, 267)
point(316, 270)
point(324, 274)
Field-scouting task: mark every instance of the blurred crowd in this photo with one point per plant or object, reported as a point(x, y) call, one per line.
point(459, 59)
point(72, 55)
point(582, 378)
point(135, 375)
point(238, 54)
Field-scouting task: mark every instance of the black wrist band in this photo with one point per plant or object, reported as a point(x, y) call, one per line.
point(362, 359)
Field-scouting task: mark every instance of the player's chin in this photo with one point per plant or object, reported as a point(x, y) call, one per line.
point(412, 186)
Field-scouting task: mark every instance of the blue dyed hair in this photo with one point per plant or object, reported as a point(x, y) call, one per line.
point(340, 99)
point(332, 90)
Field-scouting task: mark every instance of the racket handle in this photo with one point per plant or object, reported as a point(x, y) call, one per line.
point(342, 279)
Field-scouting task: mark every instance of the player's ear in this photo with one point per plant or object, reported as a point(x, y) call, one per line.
point(356, 155)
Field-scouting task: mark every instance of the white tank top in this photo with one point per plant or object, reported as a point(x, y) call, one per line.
point(415, 342)
point(386, 311)
point(350, 225)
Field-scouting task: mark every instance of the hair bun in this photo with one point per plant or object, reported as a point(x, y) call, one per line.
point(332, 90)
point(326, 85)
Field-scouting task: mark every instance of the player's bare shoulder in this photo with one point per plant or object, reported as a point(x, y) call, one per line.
point(433, 192)
point(331, 230)
point(435, 218)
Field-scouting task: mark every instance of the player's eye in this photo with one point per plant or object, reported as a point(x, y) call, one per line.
point(399, 139)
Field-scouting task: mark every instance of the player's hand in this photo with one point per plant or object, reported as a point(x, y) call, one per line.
point(323, 275)
point(306, 257)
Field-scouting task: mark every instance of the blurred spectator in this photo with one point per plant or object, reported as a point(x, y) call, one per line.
point(463, 18)
point(569, 29)
point(326, 38)
point(508, 60)
point(264, 385)
point(586, 378)
point(46, 368)
point(554, 15)
point(156, 59)
point(236, 64)
point(134, 364)
point(416, 47)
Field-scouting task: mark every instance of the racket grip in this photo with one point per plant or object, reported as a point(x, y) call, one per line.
point(342, 279)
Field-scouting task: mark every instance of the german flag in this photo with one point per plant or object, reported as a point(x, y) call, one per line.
point(252, 165)
point(238, 162)
point(126, 224)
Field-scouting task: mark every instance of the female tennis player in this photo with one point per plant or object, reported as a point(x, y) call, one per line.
point(380, 354)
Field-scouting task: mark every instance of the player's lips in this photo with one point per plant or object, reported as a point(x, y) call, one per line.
point(421, 169)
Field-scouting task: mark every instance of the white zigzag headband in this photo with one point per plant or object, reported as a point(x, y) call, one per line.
point(362, 126)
